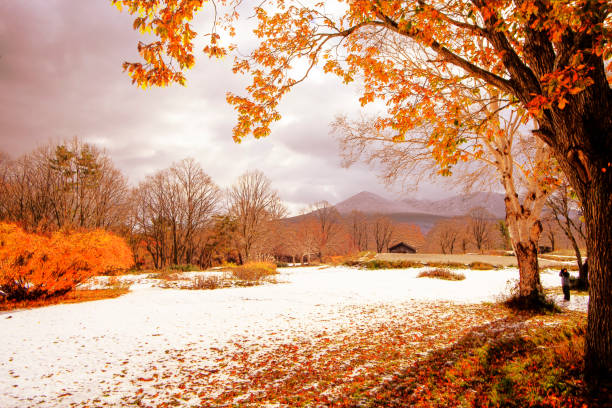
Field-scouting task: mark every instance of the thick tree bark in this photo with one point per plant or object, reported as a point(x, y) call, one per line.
point(525, 232)
point(583, 146)
point(597, 208)
point(529, 273)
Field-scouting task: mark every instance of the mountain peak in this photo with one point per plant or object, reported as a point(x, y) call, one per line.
point(368, 202)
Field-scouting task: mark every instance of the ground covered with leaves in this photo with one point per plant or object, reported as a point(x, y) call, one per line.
point(326, 337)
point(482, 356)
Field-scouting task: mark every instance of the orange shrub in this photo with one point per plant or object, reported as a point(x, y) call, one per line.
point(33, 266)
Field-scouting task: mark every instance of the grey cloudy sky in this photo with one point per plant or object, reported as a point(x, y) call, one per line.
point(61, 76)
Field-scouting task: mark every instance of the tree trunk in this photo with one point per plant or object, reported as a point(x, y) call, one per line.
point(524, 229)
point(529, 273)
point(583, 276)
point(597, 207)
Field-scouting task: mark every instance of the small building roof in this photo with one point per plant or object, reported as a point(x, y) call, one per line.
point(400, 244)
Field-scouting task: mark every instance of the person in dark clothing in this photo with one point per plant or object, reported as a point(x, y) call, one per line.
point(565, 283)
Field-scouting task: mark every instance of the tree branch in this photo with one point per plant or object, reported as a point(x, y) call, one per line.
point(447, 55)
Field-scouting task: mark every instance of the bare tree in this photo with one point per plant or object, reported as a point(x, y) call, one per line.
point(550, 230)
point(447, 236)
point(521, 163)
point(306, 233)
point(382, 229)
point(66, 185)
point(562, 203)
point(479, 227)
point(150, 213)
point(358, 227)
point(5, 167)
point(327, 221)
point(171, 210)
point(254, 205)
point(198, 198)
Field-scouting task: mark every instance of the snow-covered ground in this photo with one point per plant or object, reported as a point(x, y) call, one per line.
point(64, 355)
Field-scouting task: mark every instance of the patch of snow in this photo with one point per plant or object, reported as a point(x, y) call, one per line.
point(67, 354)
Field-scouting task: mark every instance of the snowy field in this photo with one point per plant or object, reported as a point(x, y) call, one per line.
point(103, 353)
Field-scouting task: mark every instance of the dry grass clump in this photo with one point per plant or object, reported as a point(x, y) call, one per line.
point(382, 264)
point(441, 273)
point(445, 265)
point(253, 271)
point(207, 282)
point(481, 266)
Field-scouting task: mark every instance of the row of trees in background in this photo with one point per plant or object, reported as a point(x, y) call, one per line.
point(169, 212)
point(69, 185)
point(479, 231)
point(321, 231)
point(179, 215)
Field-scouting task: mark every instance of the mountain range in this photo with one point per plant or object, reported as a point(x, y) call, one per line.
point(424, 213)
point(449, 207)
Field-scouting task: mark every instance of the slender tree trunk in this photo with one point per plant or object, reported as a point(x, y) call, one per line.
point(582, 276)
point(597, 207)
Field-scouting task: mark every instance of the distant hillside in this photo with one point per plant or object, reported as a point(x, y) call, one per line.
point(424, 221)
point(459, 205)
point(423, 213)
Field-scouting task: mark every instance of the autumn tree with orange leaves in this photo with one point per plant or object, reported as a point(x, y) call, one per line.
point(548, 58)
point(34, 266)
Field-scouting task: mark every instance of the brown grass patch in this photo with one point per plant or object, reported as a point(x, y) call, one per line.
point(445, 264)
point(383, 264)
point(207, 282)
point(481, 266)
point(253, 271)
point(440, 273)
point(74, 296)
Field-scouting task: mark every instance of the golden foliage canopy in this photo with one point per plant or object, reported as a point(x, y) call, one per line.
point(414, 55)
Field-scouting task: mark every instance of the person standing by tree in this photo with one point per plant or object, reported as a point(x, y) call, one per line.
point(565, 283)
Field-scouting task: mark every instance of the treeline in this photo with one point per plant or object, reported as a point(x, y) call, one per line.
point(323, 232)
point(65, 186)
point(479, 231)
point(178, 215)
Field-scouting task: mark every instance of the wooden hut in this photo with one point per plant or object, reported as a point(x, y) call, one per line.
point(402, 248)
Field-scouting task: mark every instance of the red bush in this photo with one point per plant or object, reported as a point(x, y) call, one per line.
point(33, 266)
